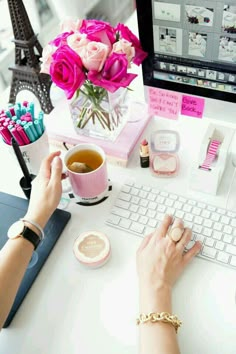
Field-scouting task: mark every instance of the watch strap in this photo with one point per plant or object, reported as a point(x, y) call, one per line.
point(36, 225)
point(31, 236)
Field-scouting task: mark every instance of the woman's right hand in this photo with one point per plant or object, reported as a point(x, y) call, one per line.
point(160, 260)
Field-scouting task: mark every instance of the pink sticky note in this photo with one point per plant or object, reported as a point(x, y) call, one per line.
point(192, 106)
point(164, 103)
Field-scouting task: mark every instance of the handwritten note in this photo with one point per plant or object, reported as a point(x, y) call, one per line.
point(164, 103)
point(192, 106)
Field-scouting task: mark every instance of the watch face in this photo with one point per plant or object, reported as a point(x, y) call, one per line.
point(16, 229)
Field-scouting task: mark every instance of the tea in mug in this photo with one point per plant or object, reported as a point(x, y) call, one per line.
point(83, 161)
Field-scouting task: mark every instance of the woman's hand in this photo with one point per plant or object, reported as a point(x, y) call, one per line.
point(160, 260)
point(46, 190)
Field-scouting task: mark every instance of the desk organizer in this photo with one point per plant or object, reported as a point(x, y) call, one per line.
point(207, 172)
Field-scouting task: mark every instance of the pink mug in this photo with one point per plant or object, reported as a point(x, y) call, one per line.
point(90, 186)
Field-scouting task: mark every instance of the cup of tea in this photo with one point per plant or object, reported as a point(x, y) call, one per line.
point(86, 168)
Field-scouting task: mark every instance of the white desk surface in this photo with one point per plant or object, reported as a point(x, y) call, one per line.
point(72, 309)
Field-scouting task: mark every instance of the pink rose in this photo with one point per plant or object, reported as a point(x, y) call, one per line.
point(60, 39)
point(46, 58)
point(94, 56)
point(98, 31)
point(124, 47)
point(77, 42)
point(114, 74)
point(66, 70)
point(68, 25)
point(125, 33)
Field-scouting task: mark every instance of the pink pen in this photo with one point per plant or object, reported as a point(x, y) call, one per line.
point(6, 135)
point(25, 103)
point(12, 111)
point(26, 117)
point(17, 136)
point(23, 135)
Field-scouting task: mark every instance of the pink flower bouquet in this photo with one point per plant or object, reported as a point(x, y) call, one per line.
point(93, 58)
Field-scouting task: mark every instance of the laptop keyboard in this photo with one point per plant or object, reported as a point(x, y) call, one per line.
point(139, 209)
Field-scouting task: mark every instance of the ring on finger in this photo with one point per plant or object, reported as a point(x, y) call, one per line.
point(176, 233)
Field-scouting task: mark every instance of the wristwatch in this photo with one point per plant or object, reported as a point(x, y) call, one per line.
point(18, 229)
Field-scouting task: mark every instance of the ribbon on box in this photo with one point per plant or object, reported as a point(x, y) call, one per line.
point(211, 155)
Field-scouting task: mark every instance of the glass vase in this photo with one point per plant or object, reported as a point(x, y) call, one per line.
point(99, 113)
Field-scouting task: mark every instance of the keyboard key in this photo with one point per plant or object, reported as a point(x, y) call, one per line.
point(217, 235)
point(197, 228)
point(207, 223)
point(113, 219)
point(209, 241)
point(209, 252)
point(223, 257)
point(231, 249)
point(135, 200)
point(219, 245)
point(169, 202)
point(137, 227)
point(178, 205)
point(151, 197)
point(206, 214)
point(134, 191)
point(207, 232)
point(196, 211)
point(144, 203)
point(188, 217)
point(215, 217)
point(151, 213)
point(125, 189)
point(187, 208)
point(125, 223)
point(217, 226)
point(152, 205)
point(227, 238)
point(233, 261)
point(225, 220)
point(122, 204)
point(134, 208)
point(143, 194)
point(227, 229)
point(142, 210)
point(152, 223)
point(134, 217)
point(179, 214)
point(125, 196)
point(121, 212)
point(198, 220)
point(143, 220)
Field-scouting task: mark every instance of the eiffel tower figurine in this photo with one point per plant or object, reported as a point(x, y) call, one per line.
point(26, 71)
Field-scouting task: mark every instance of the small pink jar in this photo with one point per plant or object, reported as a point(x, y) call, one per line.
point(92, 248)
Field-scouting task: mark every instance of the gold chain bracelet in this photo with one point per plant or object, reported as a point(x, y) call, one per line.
point(159, 317)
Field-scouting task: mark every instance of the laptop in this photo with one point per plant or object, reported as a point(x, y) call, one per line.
point(11, 209)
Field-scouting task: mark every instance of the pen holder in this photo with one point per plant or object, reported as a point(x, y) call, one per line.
point(26, 188)
point(33, 153)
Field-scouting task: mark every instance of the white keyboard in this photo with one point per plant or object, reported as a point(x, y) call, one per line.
point(139, 209)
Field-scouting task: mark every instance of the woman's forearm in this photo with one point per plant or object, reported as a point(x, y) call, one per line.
point(157, 338)
point(14, 259)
